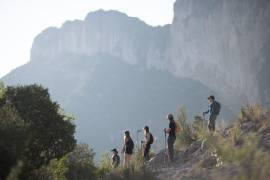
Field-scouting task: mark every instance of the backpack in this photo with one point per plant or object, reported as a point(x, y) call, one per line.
point(151, 139)
point(218, 107)
point(130, 144)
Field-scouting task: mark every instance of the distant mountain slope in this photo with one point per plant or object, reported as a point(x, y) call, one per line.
point(107, 95)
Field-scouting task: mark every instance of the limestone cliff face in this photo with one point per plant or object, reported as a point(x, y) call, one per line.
point(224, 44)
point(109, 32)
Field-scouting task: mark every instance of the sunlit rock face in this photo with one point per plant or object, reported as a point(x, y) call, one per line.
point(109, 32)
point(225, 45)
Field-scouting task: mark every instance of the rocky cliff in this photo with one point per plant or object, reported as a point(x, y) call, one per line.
point(109, 32)
point(223, 44)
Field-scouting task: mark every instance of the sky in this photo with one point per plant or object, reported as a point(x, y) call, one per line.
point(22, 20)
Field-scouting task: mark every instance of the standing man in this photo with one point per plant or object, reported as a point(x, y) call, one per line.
point(213, 111)
point(172, 136)
point(149, 139)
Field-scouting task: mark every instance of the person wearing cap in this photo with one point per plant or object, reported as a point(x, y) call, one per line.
point(127, 149)
point(147, 143)
point(172, 136)
point(115, 158)
point(213, 112)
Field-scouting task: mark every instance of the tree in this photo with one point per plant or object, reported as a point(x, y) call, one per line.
point(12, 135)
point(49, 133)
point(80, 163)
point(76, 165)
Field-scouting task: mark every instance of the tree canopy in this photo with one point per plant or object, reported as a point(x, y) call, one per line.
point(33, 125)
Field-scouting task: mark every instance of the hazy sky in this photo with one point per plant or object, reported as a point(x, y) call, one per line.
point(22, 20)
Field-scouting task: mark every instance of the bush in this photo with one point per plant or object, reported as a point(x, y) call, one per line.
point(241, 145)
point(130, 173)
point(186, 136)
point(78, 164)
point(105, 166)
point(136, 171)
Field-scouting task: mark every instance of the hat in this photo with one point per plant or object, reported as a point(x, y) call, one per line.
point(146, 128)
point(170, 116)
point(114, 150)
point(211, 97)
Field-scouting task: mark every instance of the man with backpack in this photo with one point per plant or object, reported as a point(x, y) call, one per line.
point(213, 111)
point(172, 136)
point(149, 139)
point(127, 149)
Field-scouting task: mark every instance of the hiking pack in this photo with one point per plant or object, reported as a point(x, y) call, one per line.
point(130, 143)
point(216, 108)
point(151, 139)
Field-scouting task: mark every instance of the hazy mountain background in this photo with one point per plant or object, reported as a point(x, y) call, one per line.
point(114, 72)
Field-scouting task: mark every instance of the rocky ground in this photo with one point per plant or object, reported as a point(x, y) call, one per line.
point(196, 156)
point(199, 161)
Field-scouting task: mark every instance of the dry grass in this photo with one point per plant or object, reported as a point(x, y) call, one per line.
point(136, 171)
point(240, 147)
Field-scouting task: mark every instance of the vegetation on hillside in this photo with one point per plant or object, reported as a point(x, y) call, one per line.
point(240, 151)
point(37, 142)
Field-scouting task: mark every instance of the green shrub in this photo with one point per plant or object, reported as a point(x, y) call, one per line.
point(187, 135)
point(104, 167)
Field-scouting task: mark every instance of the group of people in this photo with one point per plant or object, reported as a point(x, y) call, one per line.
point(128, 147)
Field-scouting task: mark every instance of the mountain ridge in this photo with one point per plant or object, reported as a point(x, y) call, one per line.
point(201, 43)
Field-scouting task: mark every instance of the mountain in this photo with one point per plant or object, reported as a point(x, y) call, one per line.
point(107, 95)
point(115, 72)
point(109, 32)
point(222, 44)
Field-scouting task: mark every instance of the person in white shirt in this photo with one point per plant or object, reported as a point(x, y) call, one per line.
point(147, 143)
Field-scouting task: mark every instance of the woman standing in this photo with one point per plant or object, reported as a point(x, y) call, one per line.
point(127, 149)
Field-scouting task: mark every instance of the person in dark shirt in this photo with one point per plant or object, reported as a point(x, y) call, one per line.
point(213, 111)
point(172, 136)
point(115, 158)
point(127, 149)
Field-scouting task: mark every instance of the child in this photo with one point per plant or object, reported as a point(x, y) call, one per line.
point(115, 158)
